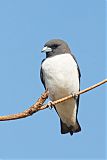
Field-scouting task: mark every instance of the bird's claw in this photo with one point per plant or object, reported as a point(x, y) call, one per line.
point(74, 95)
point(50, 104)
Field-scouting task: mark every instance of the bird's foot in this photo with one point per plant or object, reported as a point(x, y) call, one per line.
point(74, 95)
point(51, 105)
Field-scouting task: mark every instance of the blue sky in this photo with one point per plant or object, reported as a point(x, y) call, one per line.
point(25, 25)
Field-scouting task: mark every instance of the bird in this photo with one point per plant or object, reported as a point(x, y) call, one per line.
point(60, 75)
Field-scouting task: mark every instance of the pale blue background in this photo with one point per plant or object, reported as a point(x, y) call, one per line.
point(25, 25)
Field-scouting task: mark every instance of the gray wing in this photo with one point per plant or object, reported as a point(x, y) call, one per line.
point(79, 73)
point(79, 76)
point(41, 75)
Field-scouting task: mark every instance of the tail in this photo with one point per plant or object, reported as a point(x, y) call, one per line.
point(72, 129)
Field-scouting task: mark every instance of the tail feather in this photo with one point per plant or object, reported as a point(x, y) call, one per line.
point(72, 129)
point(77, 127)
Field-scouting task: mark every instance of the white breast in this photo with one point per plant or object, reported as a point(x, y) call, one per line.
point(61, 75)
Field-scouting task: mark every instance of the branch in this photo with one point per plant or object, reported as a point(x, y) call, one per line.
point(34, 108)
point(38, 105)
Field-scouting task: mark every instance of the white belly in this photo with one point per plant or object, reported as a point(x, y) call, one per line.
point(61, 79)
point(61, 75)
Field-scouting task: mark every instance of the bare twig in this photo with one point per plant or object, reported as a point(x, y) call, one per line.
point(34, 108)
point(38, 105)
point(71, 96)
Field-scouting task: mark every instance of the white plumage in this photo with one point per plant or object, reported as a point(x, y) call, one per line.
point(62, 79)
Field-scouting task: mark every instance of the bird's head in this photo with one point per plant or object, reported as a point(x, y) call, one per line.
point(55, 47)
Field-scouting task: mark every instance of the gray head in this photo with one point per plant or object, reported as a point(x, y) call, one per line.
point(55, 47)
